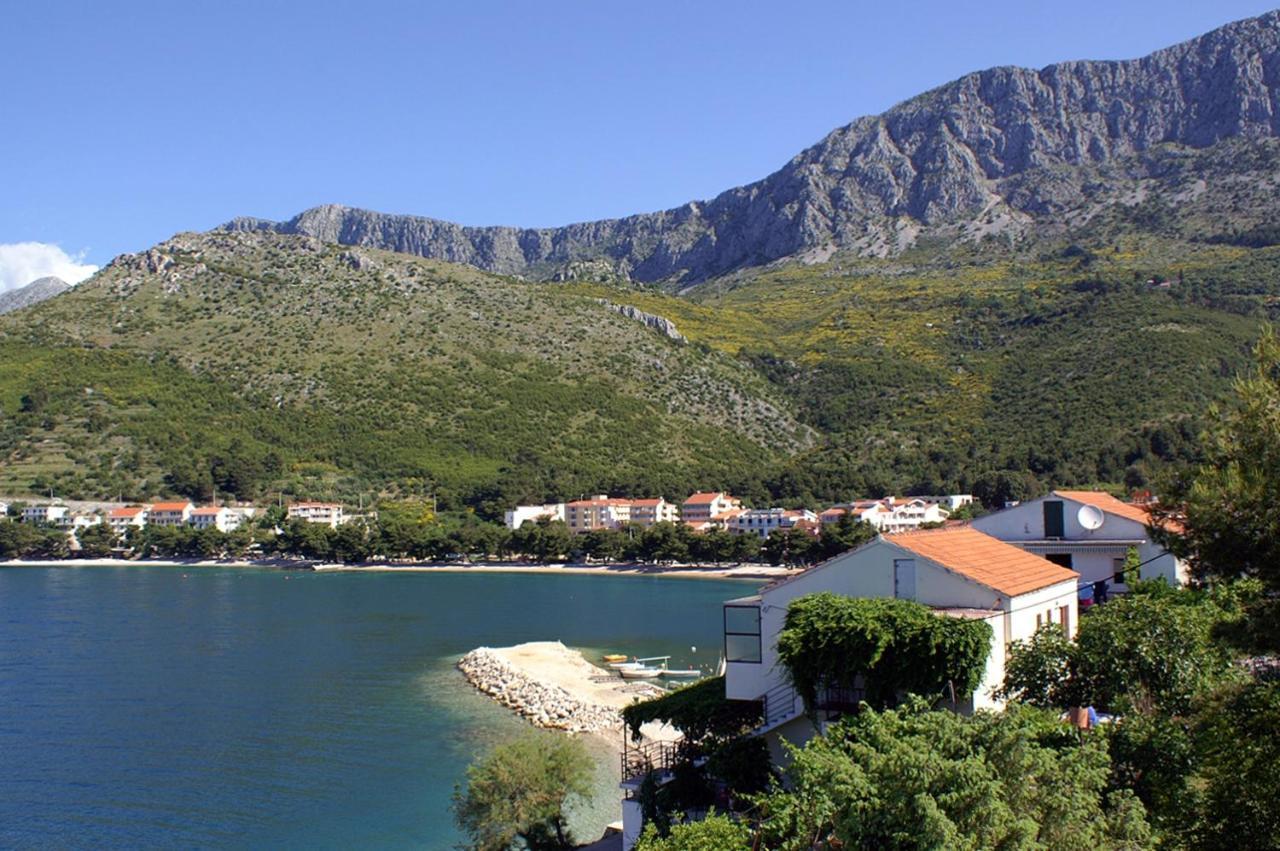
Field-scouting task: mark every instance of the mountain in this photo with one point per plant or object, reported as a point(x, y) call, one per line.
point(33, 293)
point(997, 152)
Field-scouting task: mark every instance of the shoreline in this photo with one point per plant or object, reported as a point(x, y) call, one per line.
point(739, 572)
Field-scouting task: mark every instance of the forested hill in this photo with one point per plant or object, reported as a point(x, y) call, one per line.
point(1001, 152)
point(247, 361)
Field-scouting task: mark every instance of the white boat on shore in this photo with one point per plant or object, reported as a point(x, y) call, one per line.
point(642, 672)
point(683, 673)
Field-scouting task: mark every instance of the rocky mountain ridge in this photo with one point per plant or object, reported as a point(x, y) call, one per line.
point(995, 149)
point(33, 293)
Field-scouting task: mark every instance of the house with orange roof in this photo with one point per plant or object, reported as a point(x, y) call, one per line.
point(216, 517)
point(1090, 532)
point(599, 512)
point(958, 572)
point(126, 517)
point(699, 509)
point(647, 512)
point(170, 513)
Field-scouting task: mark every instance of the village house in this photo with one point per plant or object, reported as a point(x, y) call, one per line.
point(216, 517)
point(599, 512)
point(51, 514)
point(521, 514)
point(704, 510)
point(1090, 532)
point(896, 514)
point(328, 513)
point(125, 517)
point(763, 522)
point(647, 512)
point(958, 572)
point(170, 514)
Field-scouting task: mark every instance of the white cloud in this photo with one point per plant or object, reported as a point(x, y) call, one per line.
point(23, 262)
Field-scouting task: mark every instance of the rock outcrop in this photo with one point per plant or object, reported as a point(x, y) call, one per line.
point(661, 324)
point(992, 143)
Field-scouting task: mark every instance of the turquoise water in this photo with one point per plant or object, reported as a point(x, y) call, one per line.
point(198, 707)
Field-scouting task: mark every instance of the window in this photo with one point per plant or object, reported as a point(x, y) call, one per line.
point(742, 633)
point(1117, 568)
point(1054, 525)
point(1062, 559)
point(904, 578)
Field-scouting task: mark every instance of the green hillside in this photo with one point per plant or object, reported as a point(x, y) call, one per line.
point(252, 363)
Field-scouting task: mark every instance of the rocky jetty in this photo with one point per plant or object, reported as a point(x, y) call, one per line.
point(545, 705)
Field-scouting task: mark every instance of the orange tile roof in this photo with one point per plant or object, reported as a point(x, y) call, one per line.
point(126, 511)
point(169, 506)
point(1111, 505)
point(983, 559)
point(702, 498)
point(647, 503)
point(207, 511)
point(315, 505)
point(586, 503)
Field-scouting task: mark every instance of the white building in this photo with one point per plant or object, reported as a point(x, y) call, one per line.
point(1088, 531)
point(170, 514)
point(599, 512)
point(216, 517)
point(4, 508)
point(959, 572)
point(647, 512)
point(764, 521)
point(893, 514)
point(126, 517)
point(328, 513)
point(51, 514)
point(522, 514)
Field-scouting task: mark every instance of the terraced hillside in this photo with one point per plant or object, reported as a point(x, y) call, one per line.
point(250, 361)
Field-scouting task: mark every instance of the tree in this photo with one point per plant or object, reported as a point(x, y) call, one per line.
point(97, 540)
point(1240, 755)
point(996, 489)
point(1224, 516)
point(915, 779)
point(520, 791)
point(1152, 650)
point(714, 833)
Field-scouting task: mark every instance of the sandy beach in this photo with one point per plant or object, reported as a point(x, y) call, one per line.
point(748, 572)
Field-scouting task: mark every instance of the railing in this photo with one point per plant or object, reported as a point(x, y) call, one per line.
point(640, 760)
point(779, 704)
point(841, 699)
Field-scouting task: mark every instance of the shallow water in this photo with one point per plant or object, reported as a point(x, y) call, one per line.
point(178, 706)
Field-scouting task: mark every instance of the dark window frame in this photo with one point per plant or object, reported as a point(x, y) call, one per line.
point(756, 635)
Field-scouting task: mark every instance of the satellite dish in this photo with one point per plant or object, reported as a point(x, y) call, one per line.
point(1090, 517)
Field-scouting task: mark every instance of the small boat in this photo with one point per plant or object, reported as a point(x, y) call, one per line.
point(680, 672)
point(614, 657)
point(618, 666)
point(640, 672)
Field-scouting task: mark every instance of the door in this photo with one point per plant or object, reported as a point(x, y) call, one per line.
point(1054, 526)
point(904, 578)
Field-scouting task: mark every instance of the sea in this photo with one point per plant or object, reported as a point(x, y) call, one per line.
point(181, 707)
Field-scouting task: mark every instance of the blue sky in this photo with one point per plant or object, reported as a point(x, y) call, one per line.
point(130, 121)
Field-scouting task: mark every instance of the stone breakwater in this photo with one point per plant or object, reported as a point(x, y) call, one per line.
point(547, 706)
